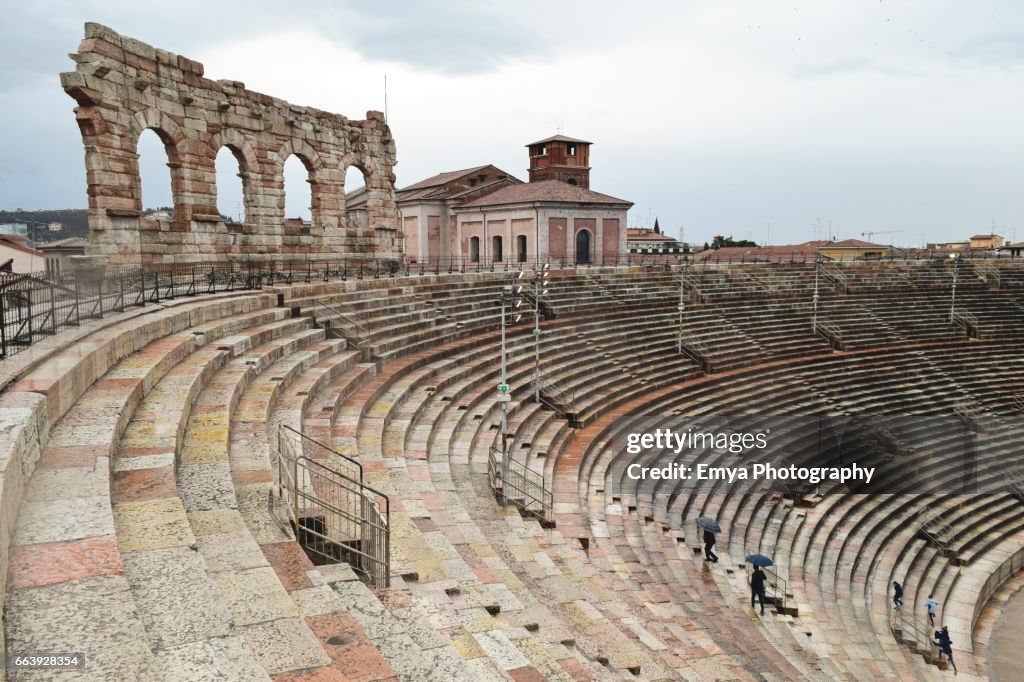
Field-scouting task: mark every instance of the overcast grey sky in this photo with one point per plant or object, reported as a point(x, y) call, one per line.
point(720, 117)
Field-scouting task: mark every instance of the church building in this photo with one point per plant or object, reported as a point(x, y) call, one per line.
point(486, 215)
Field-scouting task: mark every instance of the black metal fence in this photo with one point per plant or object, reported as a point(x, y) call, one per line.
point(42, 304)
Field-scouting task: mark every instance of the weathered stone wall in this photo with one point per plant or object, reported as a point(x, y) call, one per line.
point(123, 87)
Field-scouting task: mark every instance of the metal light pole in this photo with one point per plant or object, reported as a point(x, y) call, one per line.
point(540, 283)
point(956, 272)
point(817, 272)
point(682, 307)
point(509, 298)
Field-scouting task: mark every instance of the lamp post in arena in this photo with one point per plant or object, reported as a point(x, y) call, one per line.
point(510, 299)
point(540, 288)
point(682, 303)
point(817, 274)
point(955, 257)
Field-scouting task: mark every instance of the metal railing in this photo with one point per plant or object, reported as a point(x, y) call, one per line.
point(969, 413)
point(967, 320)
point(989, 273)
point(697, 350)
point(522, 486)
point(691, 283)
point(777, 590)
point(934, 528)
point(38, 305)
point(830, 332)
point(336, 517)
point(41, 304)
point(836, 276)
point(909, 634)
point(557, 396)
point(342, 320)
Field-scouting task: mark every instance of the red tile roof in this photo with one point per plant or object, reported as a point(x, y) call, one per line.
point(442, 178)
point(552, 191)
point(69, 243)
point(645, 234)
point(18, 245)
point(559, 138)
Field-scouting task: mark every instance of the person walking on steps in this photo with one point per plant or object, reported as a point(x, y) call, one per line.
point(945, 645)
point(933, 607)
point(897, 594)
point(709, 546)
point(757, 579)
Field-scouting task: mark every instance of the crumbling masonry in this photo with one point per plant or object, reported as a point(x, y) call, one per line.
point(123, 87)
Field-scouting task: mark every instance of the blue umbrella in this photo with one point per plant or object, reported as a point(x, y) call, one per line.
point(759, 560)
point(709, 524)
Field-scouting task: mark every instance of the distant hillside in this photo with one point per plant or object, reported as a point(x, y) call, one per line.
point(75, 221)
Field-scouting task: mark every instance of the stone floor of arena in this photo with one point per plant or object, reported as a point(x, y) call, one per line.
point(143, 524)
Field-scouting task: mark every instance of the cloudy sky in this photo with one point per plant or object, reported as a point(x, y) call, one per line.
point(763, 120)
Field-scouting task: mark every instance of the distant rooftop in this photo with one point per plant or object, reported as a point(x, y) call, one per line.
point(559, 138)
point(545, 190)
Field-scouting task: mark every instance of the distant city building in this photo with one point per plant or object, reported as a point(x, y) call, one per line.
point(19, 229)
point(484, 214)
point(1014, 250)
point(948, 246)
point(645, 240)
point(845, 250)
point(986, 241)
point(17, 257)
point(58, 254)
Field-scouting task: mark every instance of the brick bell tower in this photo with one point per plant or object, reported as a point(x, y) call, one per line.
point(560, 158)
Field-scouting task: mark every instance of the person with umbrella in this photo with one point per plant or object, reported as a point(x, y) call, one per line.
point(710, 527)
point(758, 578)
point(945, 645)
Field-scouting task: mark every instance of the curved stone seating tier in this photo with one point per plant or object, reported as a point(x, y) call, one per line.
point(775, 397)
point(137, 484)
point(65, 546)
point(432, 533)
point(396, 426)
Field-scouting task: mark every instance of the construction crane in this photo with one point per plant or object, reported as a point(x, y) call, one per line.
point(871, 234)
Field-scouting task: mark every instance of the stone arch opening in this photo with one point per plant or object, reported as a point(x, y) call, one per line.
point(299, 178)
point(496, 250)
point(356, 216)
point(231, 185)
point(583, 242)
point(521, 248)
point(154, 190)
point(474, 249)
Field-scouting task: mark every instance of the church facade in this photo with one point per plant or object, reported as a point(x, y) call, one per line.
point(485, 215)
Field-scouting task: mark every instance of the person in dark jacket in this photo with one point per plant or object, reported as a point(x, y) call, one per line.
point(757, 579)
point(897, 594)
point(945, 644)
point(709, 545)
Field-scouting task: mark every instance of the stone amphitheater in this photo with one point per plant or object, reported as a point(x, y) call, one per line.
point(367, 470)
point(144, 523)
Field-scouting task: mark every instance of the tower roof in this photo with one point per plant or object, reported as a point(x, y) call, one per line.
point(559, 138)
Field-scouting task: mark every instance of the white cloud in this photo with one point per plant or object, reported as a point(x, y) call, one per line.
point(719, 117)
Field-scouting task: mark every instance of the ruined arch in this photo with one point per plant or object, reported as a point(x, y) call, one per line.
point(123, 86)
point(248, 167)
point(173, 138)
point(315, 175)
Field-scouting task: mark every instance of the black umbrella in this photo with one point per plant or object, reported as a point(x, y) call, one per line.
point(709, 524)
point(759, 560)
